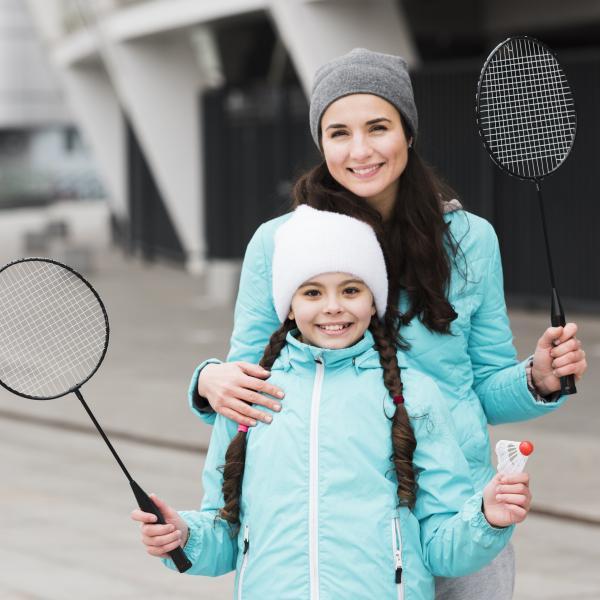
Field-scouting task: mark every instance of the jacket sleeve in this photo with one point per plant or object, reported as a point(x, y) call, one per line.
point(211, 548)
point(499, 380)
point(255, 318)
point(456, 538)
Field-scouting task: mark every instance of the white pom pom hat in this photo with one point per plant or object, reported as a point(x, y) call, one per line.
point(312, 242)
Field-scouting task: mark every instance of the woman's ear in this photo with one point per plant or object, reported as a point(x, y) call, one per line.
point(410, 142)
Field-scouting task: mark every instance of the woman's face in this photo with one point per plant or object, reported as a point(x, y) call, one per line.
point(332, 310)
point(365, 147)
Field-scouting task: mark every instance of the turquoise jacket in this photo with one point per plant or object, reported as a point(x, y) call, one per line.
point(475, 367)
point(319, 515)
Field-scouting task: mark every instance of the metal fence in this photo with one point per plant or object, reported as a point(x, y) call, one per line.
point(150, 231)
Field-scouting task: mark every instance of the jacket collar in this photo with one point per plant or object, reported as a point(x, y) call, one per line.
point(361, 355)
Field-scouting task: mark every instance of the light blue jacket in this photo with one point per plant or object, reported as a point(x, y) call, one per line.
point(319, 515)
point(476, 367)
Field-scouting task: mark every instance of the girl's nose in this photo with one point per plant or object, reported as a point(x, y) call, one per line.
point(333, 306)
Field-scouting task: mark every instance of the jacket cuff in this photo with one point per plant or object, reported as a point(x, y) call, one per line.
point(484, 533)
point(550, 398)
point(199, 404)
point(192, 548)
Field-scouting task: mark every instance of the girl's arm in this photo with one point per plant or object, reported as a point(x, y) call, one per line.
point(500, 381)
point(456, 537)
point(211, 547)
point(231, 388)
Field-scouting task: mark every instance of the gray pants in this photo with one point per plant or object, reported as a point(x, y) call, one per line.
point(496, 581)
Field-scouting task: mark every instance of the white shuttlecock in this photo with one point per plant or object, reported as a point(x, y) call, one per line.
point(512, 456)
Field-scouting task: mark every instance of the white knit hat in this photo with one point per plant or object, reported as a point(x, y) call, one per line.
point(312, 242)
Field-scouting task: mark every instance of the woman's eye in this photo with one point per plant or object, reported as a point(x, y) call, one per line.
point(379, 128)
point(338, 133)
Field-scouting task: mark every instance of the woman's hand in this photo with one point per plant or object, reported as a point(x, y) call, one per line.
point(506, 499)
point(558, 353)
point(161, 539)
point(231, 389)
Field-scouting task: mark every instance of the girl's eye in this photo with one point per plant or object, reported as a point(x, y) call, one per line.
point(351, 291)
point(311, 293)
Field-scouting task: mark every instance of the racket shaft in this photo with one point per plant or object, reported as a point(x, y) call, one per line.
point(145, 503)
point(557, 318)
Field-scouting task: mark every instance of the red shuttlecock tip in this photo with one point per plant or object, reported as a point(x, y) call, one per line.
point(525, 448)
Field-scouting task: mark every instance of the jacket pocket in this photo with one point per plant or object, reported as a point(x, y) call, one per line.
point(244, 564)
point(397, 551)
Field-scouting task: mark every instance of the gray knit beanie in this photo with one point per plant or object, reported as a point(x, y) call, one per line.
point(363, 72)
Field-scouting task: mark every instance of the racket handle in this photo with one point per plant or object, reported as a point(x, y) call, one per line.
point(144, 501)
point(557, 318)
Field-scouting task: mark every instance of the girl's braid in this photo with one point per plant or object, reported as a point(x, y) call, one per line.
point(235, 457)
point(403, 438)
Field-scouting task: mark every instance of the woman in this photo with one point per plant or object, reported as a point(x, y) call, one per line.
point(445, 270)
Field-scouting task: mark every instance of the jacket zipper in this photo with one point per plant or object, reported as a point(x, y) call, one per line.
point(244, 560)
point(313, 509)
point(397, 549)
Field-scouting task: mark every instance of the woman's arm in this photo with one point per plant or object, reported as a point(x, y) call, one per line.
point(499, 380)
point(232, 388)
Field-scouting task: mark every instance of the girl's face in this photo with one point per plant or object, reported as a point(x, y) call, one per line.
point(332, 310)
point(365, 147)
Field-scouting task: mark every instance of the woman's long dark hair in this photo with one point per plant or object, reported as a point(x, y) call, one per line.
point(387, 342)
point(418, 245)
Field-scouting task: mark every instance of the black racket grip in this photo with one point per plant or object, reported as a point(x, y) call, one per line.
point(557, 318)
point(144, 501)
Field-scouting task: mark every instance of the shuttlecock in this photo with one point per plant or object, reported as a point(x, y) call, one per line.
point(512, 456)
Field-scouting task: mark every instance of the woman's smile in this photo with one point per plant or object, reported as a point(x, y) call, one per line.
point(367, 171)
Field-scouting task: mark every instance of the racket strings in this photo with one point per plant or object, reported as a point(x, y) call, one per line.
point(53, 329)
point(526, 109)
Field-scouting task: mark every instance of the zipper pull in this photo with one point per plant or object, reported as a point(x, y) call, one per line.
point(398, 555)
point(246, 539)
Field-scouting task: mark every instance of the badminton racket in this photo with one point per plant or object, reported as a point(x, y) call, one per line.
point(53, 337)
point(527, 121)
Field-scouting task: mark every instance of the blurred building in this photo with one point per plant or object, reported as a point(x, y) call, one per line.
point(196, 111)
point(41, 155)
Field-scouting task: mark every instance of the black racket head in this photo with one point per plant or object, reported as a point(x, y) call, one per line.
point(53, 329)
point(525, 109)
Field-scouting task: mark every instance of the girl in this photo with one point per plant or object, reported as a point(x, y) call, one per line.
point(445, 277)
point(359, 488)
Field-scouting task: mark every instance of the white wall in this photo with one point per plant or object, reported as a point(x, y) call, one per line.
point(29, 93)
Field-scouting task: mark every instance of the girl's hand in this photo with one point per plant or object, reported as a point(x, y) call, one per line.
point(506, 499)
point(558, 353)
point(231, 388)
point(161, 539)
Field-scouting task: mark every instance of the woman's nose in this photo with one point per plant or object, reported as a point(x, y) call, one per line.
point(360, 149)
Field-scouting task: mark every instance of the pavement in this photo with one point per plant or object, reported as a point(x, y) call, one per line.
point(68, 531)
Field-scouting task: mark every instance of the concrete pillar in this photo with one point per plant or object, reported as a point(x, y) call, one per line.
point(317, 31)
point(158, 82)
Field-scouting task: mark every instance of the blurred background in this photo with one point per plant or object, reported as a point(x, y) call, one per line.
point(142, 142)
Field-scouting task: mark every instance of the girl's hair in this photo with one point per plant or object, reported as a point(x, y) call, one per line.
point(235, 457)
point(387, 342)
point(415, 240)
